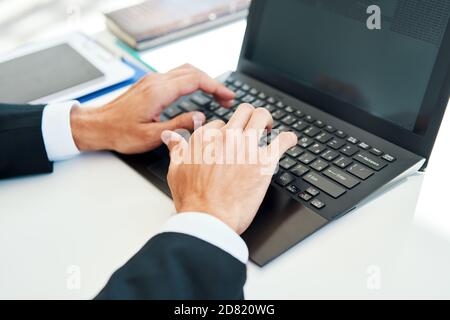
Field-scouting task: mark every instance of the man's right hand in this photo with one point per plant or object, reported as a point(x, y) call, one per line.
point(222, 171)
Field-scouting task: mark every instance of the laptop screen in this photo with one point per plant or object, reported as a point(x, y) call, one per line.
point(327, 45)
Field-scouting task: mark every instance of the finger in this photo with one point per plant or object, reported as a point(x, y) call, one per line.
point(198, 80)
point(189, 70)
point(213, 125)
point(241, 117)
point(282, 143)
point(216, 124)
point(182, 70)
point(227, 104)
point(172, 140)
point(188, 121)
point(261, 119)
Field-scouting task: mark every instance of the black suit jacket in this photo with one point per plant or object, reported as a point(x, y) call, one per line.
point(22, 149)
point(169, 266)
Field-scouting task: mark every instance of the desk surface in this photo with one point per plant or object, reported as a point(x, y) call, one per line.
point(90, 216)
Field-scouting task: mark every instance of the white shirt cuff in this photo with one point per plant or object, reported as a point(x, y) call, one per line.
point(210, 229)
point(57, 132)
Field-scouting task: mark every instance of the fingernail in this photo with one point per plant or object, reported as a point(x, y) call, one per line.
point(198, 119)
point(294, 137)
point(166, 137)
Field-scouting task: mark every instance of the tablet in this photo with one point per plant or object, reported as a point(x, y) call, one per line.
point(59, 70)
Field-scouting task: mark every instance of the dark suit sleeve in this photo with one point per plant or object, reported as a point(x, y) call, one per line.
point(22, 149)
point(174, 266)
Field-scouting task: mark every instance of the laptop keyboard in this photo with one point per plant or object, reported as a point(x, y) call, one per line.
point(325, 159)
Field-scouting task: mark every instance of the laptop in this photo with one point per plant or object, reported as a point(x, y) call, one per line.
point(366, 105)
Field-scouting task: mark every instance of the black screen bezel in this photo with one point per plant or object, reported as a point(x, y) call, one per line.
point(420, 142)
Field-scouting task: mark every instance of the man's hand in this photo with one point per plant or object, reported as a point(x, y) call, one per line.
point(130, 124)
point(222, 171)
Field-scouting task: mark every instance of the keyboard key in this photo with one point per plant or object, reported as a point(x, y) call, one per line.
point(287, 163)
point(277, 115)
point(336, 144)
point(259, 103)
point(341, 177)
point(213, 118)
point(312, 132)
point(349, 150)
point(232, 87)
point(289, 120)
point(360, 171)
point(270, 108)
point(245, 87)
point(172, 112)
point(352, 140)
point(271, 100)
point(240, 94)
point(317, 148)
point(289, 109)
point(364, 146)
point(310, 119)
point(376, 151)
point(300, 126)
point(317, 204)
point(293, 189)
point(285, 179)
point(262, 96)
point(330, 155)
point(343, 162)
point(254, 92)
point(200, 99)
point(230, 80)
point(388, 158)
point(319, 165)
point(300, 170)
point(248, 99)
point(370, 161)
point(235, 105)
point(305, 142)
point(341, 134)
point(238, 83)
point(324, 184)
point(319, 124)
point(221, 112)
point(295, 152)
point(213, 106)
point(189, 106)
point(324, 137)
point(299, 114)
point(306, 158)
point(313, 191)
point(280, 105)
point(305, 196)
point(228, 116)
point(330, 129)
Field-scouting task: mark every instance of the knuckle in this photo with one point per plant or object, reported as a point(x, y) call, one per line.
point(218, 122)
point(246, 107)
point(151, 76)
point(289, 137)
point(263, 113)
point(188, 66)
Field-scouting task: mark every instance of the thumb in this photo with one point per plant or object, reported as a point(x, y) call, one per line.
point(190, 121)
point(176, 145)
point(171, 139)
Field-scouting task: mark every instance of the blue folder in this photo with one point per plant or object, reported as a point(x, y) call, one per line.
point(139, 73)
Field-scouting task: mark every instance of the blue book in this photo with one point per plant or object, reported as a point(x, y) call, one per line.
point(139, 73)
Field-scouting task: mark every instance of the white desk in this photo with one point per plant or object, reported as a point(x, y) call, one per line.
point(95, 212)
